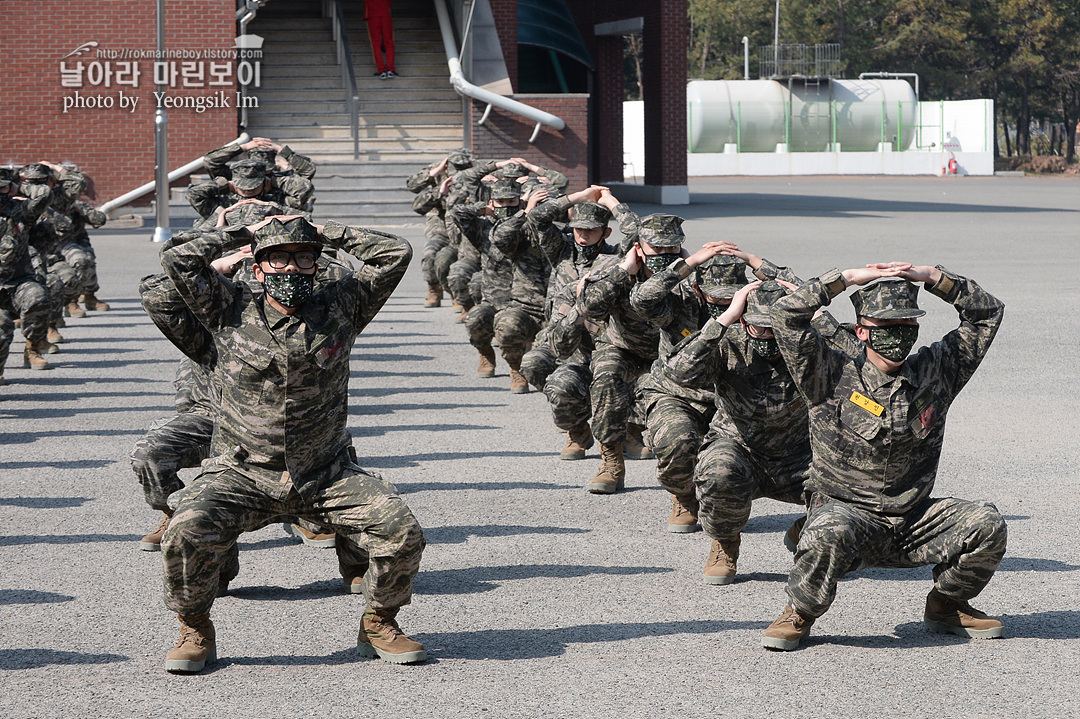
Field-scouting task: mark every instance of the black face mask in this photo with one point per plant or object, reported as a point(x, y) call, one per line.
point(659, 263)
point(590, 252)
point(291, 289)
point(766, 349)
point(504, 213)
point(715, 310)
point(893, 342)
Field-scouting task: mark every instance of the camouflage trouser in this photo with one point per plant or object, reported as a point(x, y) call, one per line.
point(80, 255)
point(480, 324)
point(54, 286)
point(676, 428)
point(537, 364)
point(567, 390)
point(616, 399)
point(29, 301)
point(171, 444)
point(964, 541)
point(460, 272)
point(221, 504)
point(515, 328)
point(729, 477)
point(476, 287)
point(432, 247)
point(443, 260)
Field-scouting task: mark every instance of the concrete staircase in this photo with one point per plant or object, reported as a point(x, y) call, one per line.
point(405, 123)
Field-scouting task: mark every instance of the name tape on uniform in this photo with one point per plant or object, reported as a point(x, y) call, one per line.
point(868, 404)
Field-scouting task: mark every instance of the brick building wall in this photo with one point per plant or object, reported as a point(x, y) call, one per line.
point(505, 14)
point(115, 146)
point(506, 135)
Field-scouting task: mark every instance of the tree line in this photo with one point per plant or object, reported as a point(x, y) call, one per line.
point(1022, 54)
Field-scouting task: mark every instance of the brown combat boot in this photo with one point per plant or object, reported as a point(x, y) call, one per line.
point(73, 310)
point(787, 631)
point(380, 636)
point(487, 362)
point(460, 319)
point(312, 539)
point(94, 304)
point(634, 446)
point(152, 541)
point(518, 383)
point(683, 518)
point(945, 615)
point(720, 566)
point(612, 473)
point(577, 442)
point(794, 532)
point(434, 295)
point(197, 646)
point(54, 337)
point(32, 358)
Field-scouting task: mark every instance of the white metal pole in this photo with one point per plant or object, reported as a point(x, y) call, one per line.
point(746, 57)
point(776, 42)
point(162, 233)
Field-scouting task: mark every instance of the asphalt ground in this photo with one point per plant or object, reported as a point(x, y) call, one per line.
point(536, 599)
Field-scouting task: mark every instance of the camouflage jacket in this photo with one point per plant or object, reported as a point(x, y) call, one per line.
point(197, 387)
point(17, 218)
point(51, 231)
point(497, 269)
point(567, 334)
point(284, 409)
point(531, 269)
point(877, 438)
point(757, 401)
point(605, 300)
point(217, 162)
point(291, 191)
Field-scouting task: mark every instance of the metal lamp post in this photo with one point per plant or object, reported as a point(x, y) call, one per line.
point(162, 233)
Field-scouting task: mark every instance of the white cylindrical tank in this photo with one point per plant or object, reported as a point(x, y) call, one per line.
point(857, 115)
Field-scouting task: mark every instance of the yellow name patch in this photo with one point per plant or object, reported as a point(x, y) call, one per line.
point(868, 404)
point(686, 333)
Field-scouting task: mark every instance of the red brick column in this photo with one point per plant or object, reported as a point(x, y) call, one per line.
point(608, 107)
point(505, 15)
point(664, 80)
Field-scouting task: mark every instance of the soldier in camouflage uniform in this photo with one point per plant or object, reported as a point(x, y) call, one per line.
point(280, 160)
point(431, 186)
point(249, 181)
point(628, 344)
point(571, 251)
point(476, 222)
point(758, 441)
point(76, 249)
point(59, 278)
point(877, 422)
point(22, 295)
point(280, 446)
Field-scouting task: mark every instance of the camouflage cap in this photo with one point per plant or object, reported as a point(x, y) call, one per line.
point(721, 276)
point(589, 216)
point(248, 174)
point(297, 231)
point(662, 230)
point(460, 159)
point(505, 189)
point(888, 299)
point(35, 172)
point(511, 170)
point(253, 212)
point(264, 156)
point(760, 299)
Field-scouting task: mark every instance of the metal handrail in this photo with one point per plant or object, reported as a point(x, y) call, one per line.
point(348, 73)
point(467, 89)
point(175, 174)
